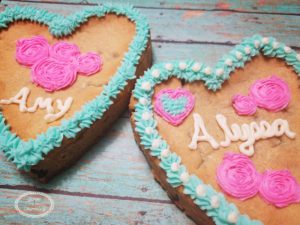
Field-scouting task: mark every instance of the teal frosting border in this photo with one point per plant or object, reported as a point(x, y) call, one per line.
point(205, 196)
point(28, 153)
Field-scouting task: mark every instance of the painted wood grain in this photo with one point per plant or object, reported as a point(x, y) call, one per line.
point(115, 166)
point(87, 210)
point(180, 26)
point(260, 6)
point(104, 188)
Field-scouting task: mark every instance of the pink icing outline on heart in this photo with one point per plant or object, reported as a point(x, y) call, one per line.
point(55, 67)
point(174, 94)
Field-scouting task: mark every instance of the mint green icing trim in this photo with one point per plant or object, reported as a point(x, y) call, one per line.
point(28, 153)
point(213, 78)
point(174, 106)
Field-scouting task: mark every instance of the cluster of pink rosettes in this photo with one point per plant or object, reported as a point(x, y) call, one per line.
point(238, 177)
point(272, 94)
point(55, 67)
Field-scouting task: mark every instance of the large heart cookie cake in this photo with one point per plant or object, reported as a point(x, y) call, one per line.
point(224, 141)
point(64, 80)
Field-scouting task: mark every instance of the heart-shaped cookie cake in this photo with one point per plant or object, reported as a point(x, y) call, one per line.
point(224, 141)
point(64, 80)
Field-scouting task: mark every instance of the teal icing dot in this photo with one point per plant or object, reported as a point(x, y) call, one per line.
point(174, 106)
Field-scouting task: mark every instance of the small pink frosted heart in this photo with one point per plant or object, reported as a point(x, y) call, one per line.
point(174, 105)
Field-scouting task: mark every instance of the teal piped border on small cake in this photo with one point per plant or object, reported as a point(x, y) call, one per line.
point(25, 154)
point(205, 196)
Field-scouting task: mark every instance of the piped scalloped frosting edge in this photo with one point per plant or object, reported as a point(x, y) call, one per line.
point(204, 196)
point(25, 154)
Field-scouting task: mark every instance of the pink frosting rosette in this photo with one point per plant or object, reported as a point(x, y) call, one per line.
point(244, 105)
point(53, 75)
point(31, 50)
point(65, 51)
point(271, 93)
point(237, 176)
point(279, 188)
point(55, 67)
point(89, 63)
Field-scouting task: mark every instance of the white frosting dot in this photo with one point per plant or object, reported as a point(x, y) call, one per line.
point(247, 50)
point(256, 43)
point(239, 55)
point(298, 57)
point(220, 72)
point(149, 130)
point(169, 66)
point(196, 67)
point(146, 116)
point(143, 101)
point(184, 177)
point(200, 190)
point(155, 143)
point(146, 86)
point(228, 62)
point(233, 217)
point(275, 45)
point(287, 49)
point(215, 201)
point(175, 167)
point(165, 153)
point(182, 66)
point(207, 70)
point(155, 73)
point(265, 40)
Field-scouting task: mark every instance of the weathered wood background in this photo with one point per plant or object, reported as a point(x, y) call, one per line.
point(112, 184)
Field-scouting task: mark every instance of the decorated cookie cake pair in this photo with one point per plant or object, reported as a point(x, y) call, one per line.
point(233, 154)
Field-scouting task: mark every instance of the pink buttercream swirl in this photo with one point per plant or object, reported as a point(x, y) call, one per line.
point(237, 176)
point(244, 105)
point(55, 67)
point(65, 51)
point(279, 188)
point(30, 50)
point(89, 63)
point(271, 93)
point(174, 94)
point(53, 75)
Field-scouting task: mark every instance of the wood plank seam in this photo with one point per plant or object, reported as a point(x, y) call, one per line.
point(85, 3)
point(202, 42)
point(82, 194)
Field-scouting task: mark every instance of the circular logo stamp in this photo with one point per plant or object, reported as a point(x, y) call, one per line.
point(34, 204)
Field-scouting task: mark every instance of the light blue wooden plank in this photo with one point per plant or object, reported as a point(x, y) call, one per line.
point(85, 210)
point(208, 26)
point(114, 162)
point(274, 6)
point(206, 53)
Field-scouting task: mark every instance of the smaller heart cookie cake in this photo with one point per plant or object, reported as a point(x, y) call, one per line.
point(224, 141)
point(65, 80)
